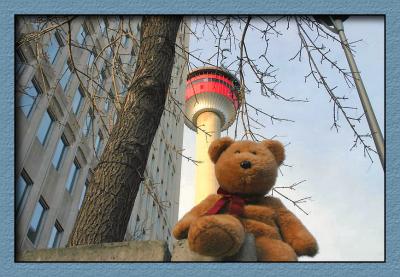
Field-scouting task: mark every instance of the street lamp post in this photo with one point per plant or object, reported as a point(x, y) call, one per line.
point(337, 23)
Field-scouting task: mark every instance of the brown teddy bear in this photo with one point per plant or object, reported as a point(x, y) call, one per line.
point(246, 171)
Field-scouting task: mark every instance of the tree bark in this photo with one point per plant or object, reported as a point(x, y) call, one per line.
point(111, 194)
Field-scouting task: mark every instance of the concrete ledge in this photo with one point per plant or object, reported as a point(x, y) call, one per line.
point(126, 251)
point(182, 253)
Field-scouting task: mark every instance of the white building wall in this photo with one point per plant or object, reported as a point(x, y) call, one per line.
point(35, 159)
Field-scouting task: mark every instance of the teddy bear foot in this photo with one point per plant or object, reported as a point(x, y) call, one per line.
point(216, 235)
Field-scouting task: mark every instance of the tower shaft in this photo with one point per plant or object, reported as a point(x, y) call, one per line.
point(206, 183)
point(212, 100)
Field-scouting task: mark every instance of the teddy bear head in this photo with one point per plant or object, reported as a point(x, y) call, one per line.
point(246, 167)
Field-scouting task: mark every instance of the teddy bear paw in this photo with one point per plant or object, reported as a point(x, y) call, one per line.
point(305, 247)
point(216, 235)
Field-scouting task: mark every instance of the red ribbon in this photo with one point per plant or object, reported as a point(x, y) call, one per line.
point(235, 203)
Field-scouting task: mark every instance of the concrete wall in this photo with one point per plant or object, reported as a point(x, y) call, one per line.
point(127, 251)
point(133, 251)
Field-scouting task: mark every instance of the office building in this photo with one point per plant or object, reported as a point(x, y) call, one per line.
point(68, 82)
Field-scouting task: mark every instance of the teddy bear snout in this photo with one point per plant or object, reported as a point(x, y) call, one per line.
point(245, 164)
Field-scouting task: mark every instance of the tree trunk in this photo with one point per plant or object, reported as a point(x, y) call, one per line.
point(111, 194)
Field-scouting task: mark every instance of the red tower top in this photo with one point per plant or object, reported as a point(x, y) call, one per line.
point(213, 79)
point(213, 89)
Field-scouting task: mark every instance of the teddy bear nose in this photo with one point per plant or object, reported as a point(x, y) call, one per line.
point(245, 164)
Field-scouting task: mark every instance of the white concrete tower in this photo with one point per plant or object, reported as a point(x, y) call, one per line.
point(211, 104)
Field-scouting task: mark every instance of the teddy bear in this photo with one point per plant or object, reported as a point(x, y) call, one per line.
point(246, 171)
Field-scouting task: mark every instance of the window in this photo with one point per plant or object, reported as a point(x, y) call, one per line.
point(123, 89)
point(72, 176)
point(44, 127)
point(102, 25)
point(133, 56)
point(66, 76)
point(124, 41)
point(103, 77)
point(37, 220)
point(83, 192)
point(60, 152)
point(77, 101)
point(21, 190)
point(107, 104)
point(28, 98)
point(82, 34)
point(55, 237)
point(19, 62)
point(108, 52)
point(36, 25)
point(91, 58)
point(88, 123)
point(98, 143)
point(54, 48)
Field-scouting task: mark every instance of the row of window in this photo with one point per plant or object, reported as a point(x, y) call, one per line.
point(27, 103)
point(57, 42)
point(24, 184)
point(206, 80)
point(62, 145)
point(27, 100)
point(37, 222)
point(45, 128)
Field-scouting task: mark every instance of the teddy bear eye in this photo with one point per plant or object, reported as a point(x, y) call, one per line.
point(237, 152)
point(254, 152)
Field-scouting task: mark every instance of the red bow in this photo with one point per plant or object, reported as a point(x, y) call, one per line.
point(235, 203)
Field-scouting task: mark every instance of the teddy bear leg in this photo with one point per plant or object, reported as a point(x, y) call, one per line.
point(218, 235)
point(269, 245)
point(269, 250)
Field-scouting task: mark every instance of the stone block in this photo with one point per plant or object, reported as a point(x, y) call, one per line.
point(126, 251)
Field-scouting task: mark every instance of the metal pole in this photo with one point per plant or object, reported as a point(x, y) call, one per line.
point(369, 113)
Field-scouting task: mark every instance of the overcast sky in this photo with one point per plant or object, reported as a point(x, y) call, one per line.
point(346, 213)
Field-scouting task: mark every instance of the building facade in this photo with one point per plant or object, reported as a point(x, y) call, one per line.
point(71, 78)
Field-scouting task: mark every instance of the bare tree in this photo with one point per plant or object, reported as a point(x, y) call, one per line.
point(229, 36)
point(107, 208)
point(231, 52)
point(112, 191)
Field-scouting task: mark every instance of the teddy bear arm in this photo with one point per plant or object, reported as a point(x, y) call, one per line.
point(181, 228)
point(296, 234)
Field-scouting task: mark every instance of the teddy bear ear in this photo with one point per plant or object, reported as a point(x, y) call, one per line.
point(217, 147)
point(276, 148)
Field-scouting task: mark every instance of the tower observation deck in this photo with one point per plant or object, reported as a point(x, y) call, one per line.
point(212, 100)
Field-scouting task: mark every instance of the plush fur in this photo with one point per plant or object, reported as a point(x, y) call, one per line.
point(279, 234)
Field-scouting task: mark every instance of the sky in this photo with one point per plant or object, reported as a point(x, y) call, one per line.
point(346, 210)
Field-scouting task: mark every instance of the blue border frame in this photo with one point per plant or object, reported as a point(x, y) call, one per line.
point(391, 8)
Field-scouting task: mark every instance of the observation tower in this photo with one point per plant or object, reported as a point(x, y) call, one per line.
point(212, 100)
